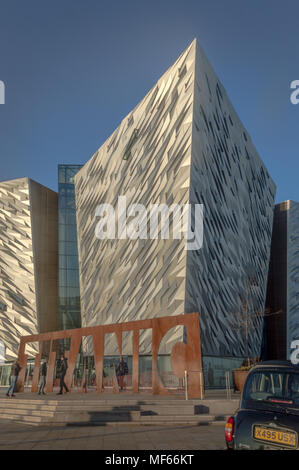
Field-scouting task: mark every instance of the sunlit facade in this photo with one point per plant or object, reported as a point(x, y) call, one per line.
point(28, 263)
point(183, 143)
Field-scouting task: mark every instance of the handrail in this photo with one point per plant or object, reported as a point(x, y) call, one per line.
point(201, 383)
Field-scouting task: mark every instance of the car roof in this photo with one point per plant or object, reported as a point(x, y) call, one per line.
point(279, 364)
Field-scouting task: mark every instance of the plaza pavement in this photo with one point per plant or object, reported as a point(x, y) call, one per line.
point(19, 436)
point(14, 436)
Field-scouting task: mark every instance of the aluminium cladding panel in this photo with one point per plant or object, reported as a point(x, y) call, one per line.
point(125, 280)
point(230, 180)
point(18, 312)
point(28, 261)
point(44, 214)
point(292, 274)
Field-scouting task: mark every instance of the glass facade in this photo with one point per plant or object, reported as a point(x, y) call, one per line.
point(68, 276)
point(215, 368)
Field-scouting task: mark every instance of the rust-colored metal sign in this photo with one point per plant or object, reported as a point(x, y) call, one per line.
point(184, 356)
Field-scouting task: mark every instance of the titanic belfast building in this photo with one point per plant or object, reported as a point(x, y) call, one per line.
point(183, 144)
point(28, 264)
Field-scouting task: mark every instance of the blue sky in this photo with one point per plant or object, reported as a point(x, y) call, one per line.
point(73, 69)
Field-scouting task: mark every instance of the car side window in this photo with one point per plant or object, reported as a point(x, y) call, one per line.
point(292, 388)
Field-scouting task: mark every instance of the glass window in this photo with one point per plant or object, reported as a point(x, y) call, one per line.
point(61, 174)
point(62, 262)
point(215, 369)
point(71, 218)
point(275, 387)
point(71, 233)
point(72, 278)
point(72, 262)
point(70, 173)
point(71, 248)
point(62, 277)
point(73, 292)
point(68, 248)
point(62, 292)
point(62, 217)
point(62, 200)
point(61, 232)
point(67, 233)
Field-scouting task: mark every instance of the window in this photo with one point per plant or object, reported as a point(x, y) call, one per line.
point(274, 387)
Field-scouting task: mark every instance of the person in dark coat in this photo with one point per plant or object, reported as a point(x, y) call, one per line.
point(43, 377)
point(121, 371)
point(15, 369)
point(63, 369)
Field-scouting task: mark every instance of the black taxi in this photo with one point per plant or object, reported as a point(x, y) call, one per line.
point(268, 416)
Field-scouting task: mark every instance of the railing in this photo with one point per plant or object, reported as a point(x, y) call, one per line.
point(200, 381)
point(227, 385)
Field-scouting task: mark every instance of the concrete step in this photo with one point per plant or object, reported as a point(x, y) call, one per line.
point(150, 421)
point(100, 417)
point(83, 411)
point(25, 412)
point(14, 405)
point(65, 401)
point(108, 420)
point(20, 418)
point(173, 418)
point(167, 410)
point(164, 409)
point(67, 410)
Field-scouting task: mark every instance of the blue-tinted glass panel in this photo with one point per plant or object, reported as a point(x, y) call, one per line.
point(62, 262)
point(69, 291)
point(67, 233)
point(72, 262)
point(62, 277)
point(72, 278)
point(61, 174)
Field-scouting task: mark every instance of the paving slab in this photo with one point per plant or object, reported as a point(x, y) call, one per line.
point(14, 436)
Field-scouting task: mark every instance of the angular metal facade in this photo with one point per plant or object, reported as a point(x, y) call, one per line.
point(182, 144)
point(124, 280)
point(28, 262)
point(229, 178)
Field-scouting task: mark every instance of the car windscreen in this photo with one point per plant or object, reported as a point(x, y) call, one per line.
point(276, 387)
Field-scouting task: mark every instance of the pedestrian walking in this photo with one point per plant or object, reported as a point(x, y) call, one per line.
point(15, 369)
point(43, 377)
point(63, 369)
point(121, 371)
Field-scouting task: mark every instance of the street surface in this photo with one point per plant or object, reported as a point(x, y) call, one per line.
point(14, 436)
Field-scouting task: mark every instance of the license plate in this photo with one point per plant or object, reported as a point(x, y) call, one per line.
point(284, 438)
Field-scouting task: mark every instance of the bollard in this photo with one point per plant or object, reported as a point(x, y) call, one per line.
point(201, 386)
point(227, 385)
point(186, 385)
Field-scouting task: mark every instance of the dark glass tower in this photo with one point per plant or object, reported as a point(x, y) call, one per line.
point(282, 321)
point(68, 279)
